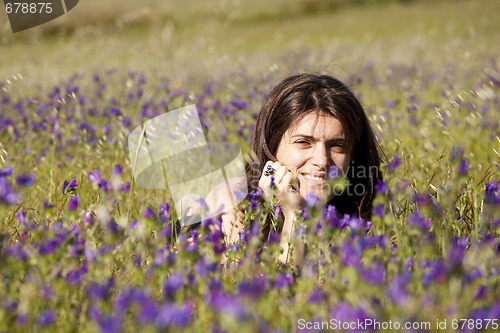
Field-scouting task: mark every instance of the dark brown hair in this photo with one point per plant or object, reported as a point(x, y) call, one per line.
point(298, 95)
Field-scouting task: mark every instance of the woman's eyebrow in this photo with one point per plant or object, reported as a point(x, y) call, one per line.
point(336, 140)
point(305, 136)
point(312, 138)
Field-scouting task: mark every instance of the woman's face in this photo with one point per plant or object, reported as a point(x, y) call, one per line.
point(310, 147)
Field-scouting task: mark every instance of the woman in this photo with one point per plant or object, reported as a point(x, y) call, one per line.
point(308, 125)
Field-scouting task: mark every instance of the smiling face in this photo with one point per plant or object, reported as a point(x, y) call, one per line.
point(310, 147)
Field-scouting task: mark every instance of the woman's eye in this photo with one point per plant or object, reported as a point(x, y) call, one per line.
point(302, 142)
point(337, 148)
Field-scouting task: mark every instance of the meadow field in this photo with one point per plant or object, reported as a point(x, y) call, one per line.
point(83, 249)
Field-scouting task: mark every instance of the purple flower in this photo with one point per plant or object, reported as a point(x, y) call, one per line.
point(21, 217)
point(68, 187)
point(419, 221)
point(277, 211)
point(117, 169)
point(75, 276)
point(73, 203)
point(316, 296)
point(311, 199)
point(239, 104)
point(381, 187)
point(170, 314)
point(148, 312)
point(164, 210)
point(456, 153)
point(491, 188)
point(350, 256)
point(115, 111)
point(26, 180)
point(253, 288)
point(148, 213)
point(379, 210)
point(463, 167)
point(97, 291)
point(397, 289)
point(391, 104)
point(456, 252)
point(394, 164)
point(345, 313)
point(274, 237)
point(436, 273)
point(226, 304)
point(17, 251)
point(6, 172)
point(284, 280)
point(46, 318)
point(374, 275)
point(94, 176)
point(174, 282)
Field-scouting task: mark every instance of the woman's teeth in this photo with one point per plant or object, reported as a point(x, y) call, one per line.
point(307, 176)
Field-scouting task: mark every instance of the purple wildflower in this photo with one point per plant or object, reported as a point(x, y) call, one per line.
point(419, 221)
point(381, 187)
point(26, 180)
point(397, 289)
point(117, 169)
point(436, 273)
point(239, 104)
point(457, 153)
point(75, 276)
point(148, 312)
point(97, 291)
point(491, 187)
point(21, 217)
point(164, 212)
point(379, 210)
point(115, 111)
point(345, 313)
point(277, 211)
point(284, 280)
point(94, 176)
point(46, 318)
point(69, 187)
point(253, 288)
point(316, 296)
point(229, 305)
point(463, 167)
point(174, 282)
point(170, 314)
point(394, 164)
point(311, 199)
point(148, 213)
point(6, 172)
point(73, 203)
point(374, 275)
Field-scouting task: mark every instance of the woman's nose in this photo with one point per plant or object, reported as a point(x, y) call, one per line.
point(319, 156)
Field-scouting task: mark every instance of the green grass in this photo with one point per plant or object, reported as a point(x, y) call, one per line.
point(187, 39)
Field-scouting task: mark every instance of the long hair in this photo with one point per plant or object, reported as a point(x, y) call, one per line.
point(298, 95)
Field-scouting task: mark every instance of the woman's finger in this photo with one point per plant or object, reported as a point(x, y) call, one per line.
point(279, 174)
point(287, 182)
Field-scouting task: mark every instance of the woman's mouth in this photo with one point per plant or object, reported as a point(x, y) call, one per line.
point(314, 178)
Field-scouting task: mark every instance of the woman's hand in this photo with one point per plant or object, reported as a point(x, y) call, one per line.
point(287, 196)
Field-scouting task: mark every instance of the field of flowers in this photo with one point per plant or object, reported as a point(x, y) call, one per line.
point(84, 249)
